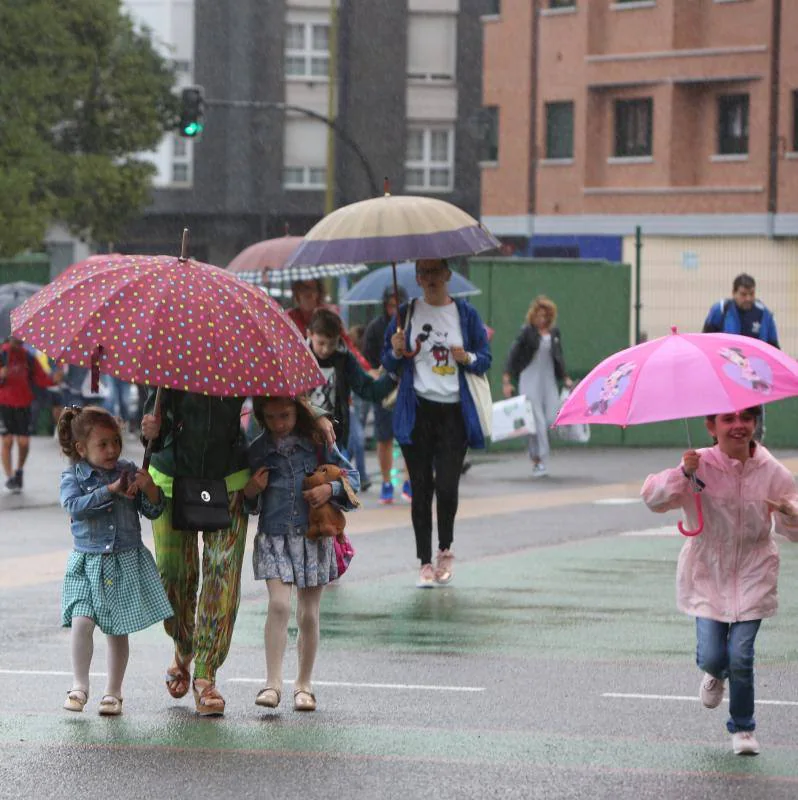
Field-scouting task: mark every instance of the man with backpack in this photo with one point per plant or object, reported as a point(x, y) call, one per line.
point(19, 373)
point(742, 313)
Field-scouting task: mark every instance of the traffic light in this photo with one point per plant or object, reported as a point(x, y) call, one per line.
point(192, 112)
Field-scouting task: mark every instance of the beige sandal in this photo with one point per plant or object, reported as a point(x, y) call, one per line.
point(76, 699)
point(304, 700)
point(208, 701)
point(268, 697)
point(110, 706)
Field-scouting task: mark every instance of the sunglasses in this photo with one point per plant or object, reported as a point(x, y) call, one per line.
point(429, 273)
point(743, 416)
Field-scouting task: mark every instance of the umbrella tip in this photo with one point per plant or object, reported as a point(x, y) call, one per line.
point(386, 186)
point(674, 329)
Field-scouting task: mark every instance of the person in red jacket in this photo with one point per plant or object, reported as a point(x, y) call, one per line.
point(308, 296)
point(19, 372)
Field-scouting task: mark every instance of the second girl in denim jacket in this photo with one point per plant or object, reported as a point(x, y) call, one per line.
point(289, 449)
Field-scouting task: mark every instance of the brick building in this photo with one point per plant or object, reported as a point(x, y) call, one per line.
point(680, 116)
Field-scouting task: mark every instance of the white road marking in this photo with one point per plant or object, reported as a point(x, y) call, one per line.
point(690, 699)
point(46, 672)
point(617, 501)
point(400, 686)
point(667, 530)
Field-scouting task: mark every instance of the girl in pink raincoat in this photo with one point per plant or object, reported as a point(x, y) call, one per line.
point(726, 577)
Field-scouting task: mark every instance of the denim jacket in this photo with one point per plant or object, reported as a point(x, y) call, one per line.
point(103, 522)
point(280, 507)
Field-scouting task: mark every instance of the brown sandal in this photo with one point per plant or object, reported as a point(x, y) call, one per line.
point(178, 678)
point(208, 701)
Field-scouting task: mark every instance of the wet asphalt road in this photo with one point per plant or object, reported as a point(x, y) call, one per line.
point(518, 680)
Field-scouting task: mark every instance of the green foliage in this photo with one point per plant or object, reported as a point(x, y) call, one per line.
point(81, 92)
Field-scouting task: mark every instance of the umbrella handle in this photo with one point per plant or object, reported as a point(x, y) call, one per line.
point(700, 513)
point(416, 350)
point(145, 464)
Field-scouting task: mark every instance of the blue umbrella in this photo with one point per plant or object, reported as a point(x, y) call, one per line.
point(370, 289)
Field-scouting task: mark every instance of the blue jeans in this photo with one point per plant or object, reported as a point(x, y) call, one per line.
point(726, 650)
point(357, 443)
point(120, 396)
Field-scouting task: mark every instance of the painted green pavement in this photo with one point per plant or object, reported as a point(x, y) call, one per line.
point(468, 746)
point(605, 598)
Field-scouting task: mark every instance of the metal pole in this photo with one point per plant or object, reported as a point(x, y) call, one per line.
point(332, 76)
point(638, 263)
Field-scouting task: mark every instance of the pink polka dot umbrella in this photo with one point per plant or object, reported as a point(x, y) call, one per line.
point(170, 322)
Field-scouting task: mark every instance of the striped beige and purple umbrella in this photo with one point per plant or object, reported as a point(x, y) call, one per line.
point(264, 264)
point(393, 228)
point(168, 322)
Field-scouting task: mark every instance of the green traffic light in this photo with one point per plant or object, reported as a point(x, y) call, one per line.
point(192, 129)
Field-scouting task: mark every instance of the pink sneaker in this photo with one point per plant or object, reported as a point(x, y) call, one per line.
point(444, 566)
point(426, 578)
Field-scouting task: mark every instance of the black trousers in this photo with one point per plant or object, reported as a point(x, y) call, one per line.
point(434, 461)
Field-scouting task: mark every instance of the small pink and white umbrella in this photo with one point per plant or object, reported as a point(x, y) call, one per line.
point(679, 376)
point(264, 264)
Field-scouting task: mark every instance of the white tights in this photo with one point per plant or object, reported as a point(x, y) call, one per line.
point(276, 631)
point(83, 649)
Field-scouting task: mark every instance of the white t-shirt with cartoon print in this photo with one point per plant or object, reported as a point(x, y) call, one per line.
point(436, 371)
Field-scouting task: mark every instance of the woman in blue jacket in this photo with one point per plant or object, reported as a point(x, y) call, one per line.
point(435, 419)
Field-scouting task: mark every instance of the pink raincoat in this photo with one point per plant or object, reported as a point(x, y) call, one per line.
point(729, 571)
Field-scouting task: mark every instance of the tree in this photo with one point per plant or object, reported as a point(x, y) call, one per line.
point(81, 93)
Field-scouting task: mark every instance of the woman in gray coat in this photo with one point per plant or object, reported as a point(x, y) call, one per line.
point(536, 368)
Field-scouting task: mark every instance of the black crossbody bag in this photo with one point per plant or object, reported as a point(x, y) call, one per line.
point(198, 504)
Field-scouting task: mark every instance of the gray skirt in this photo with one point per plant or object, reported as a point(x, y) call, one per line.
point(293, 558)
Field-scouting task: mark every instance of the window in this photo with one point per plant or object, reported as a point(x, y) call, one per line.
point(633, 128)
point(307, 50)
point(180, 173)
point(304, 154)
point(559, 130)
point(733, 124)
point(488, 127)
point(795, 122)
point(429, 164)
point(431, 47)
point(494, 8)
point(562, 3)
point(304, 178)
point(179, 147)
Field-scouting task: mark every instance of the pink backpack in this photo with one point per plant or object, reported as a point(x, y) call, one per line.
point(343, 552)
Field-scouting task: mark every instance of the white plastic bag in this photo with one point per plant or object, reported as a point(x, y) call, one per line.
point(512, 418)
point(572, 433)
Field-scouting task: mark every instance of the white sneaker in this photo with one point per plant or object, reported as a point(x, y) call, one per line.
point(711, 691)
point(744, 743)
point(426, 577)
point(539, 470)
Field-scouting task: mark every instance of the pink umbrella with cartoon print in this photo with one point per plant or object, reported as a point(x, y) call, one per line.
point(679, 376)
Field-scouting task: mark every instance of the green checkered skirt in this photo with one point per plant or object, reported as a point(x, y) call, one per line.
point(121, 592)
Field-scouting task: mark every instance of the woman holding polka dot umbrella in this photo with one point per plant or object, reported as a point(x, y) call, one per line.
point(207, 340)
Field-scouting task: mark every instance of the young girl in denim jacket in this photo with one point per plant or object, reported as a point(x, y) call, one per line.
point(727, 575)
point(290, 448)
point(111, 579)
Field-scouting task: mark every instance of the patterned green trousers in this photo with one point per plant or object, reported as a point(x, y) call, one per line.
point(202, 628)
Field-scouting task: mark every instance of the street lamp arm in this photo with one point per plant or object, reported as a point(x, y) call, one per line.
point(308, 112)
